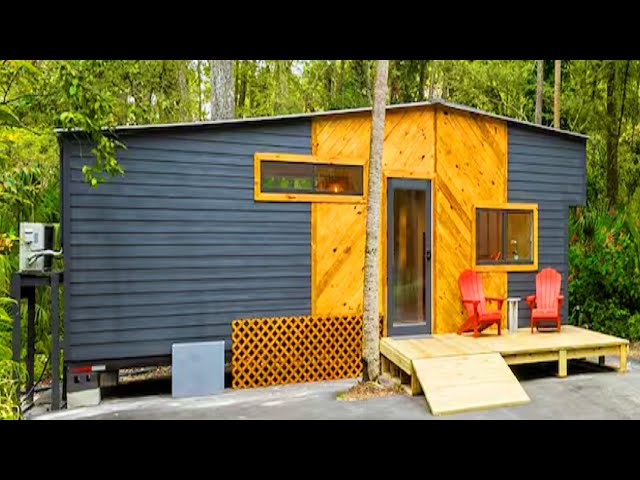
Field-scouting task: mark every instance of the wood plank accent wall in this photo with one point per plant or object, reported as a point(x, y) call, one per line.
point(471, 166)
point(471, 153)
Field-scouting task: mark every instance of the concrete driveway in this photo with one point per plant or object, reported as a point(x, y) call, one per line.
point(590, 392)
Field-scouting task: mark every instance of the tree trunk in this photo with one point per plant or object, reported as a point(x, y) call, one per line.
point(556, 93)
point(242, 85)
point(422, 77)
point(281, 72)
point(340, 82)
point(199, 71)
point(539, 81)
point(612, 142)
point(432, 80)
point(183, 87)
point(222, 97)
point(370, 344)
point(614, 130)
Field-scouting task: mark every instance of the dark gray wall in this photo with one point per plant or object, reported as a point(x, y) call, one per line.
point(549, 170)
point(177, 248)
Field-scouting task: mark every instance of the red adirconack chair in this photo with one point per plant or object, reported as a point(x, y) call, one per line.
point(546, 304)
point(478, 317)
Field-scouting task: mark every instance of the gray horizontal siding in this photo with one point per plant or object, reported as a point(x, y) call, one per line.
point(177, 248)
point(242, 213)
point(548, 170)
point(194, 308)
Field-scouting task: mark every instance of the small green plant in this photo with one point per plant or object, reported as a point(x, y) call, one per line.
point(10, 372)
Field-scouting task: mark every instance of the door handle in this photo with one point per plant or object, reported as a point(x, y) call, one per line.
point(427, 253)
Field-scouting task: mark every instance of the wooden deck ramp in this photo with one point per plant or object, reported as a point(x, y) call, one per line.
point(459, 373)
point(468, 382)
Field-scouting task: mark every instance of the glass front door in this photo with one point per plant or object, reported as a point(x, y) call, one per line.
point(408, 256)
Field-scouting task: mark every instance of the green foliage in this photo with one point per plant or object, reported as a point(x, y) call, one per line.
point(37, 96)
point(505, 87)
point(9, 406)
point(604, 280)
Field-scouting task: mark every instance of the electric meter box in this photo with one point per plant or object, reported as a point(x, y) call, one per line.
point(35, 237)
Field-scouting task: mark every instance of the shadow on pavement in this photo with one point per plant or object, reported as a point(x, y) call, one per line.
point(533, 371)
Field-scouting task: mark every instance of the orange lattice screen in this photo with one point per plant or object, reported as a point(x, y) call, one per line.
point(281, 350)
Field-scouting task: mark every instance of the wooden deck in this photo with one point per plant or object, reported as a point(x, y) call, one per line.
point(399, 353)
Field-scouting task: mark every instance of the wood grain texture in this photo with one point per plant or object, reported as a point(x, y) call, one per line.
point(570, 339)
point(461, 356)
point(471, 153)
point(284, 350)
point(468, 382)
point(337, 271)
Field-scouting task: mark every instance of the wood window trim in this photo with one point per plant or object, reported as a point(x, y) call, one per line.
point(507, 267)
point(261, 196)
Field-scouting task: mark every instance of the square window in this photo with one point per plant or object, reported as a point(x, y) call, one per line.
point(505, 236)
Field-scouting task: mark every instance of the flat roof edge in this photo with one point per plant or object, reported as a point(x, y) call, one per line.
point(309, 115)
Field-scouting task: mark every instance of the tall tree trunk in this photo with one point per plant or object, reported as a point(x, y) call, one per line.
point(432, 80)
point(370, 345)
point(422, 78)
point(613, 183)
point(222, 98)
point(242, 93)
point(199, 72)
point(340, 83)
point(556, 93)
point(281, 71)
point(183, 88)
point(539, 81)
point(612, 142)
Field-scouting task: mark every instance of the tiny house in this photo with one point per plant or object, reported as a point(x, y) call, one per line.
point(214, 221)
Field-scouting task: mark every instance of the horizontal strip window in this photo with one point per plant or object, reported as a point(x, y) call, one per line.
point(506, 237)
point(311, 178)
point(305, 178)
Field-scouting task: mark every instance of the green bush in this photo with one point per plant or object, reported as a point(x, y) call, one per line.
point(27, 193)
point(9, 405)
point(604, 280)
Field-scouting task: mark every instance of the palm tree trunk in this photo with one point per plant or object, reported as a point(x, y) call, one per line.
point(371, 337)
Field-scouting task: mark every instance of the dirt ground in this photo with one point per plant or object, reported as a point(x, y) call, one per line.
point(363, 391)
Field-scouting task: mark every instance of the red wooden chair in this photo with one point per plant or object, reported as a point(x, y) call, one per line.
point(546, 304)
point(478, 316)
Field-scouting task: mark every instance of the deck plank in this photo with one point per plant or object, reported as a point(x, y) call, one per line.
point(468, 382)
point(451, 352)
